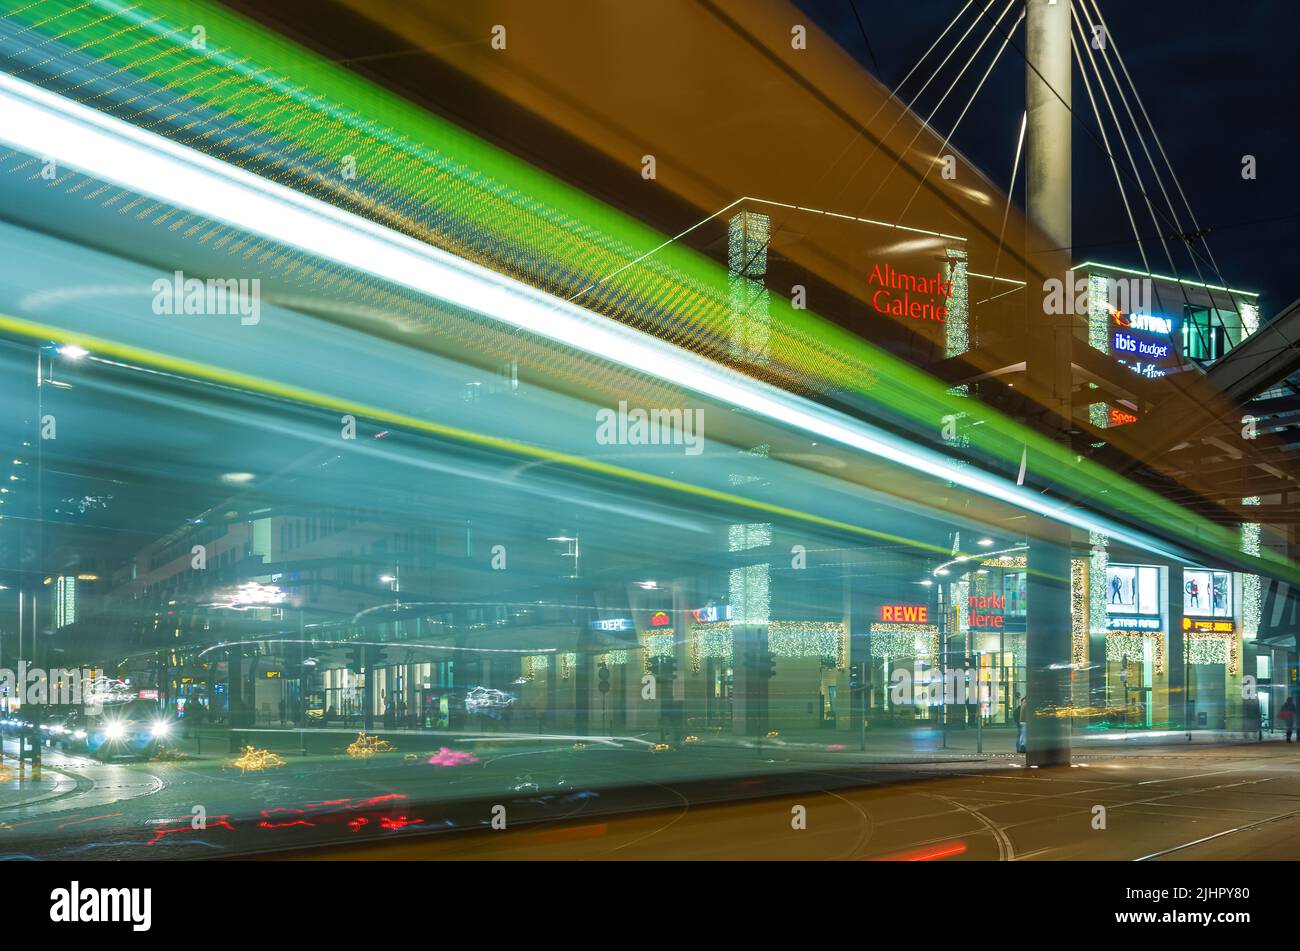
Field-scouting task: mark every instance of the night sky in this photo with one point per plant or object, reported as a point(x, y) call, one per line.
point(1219, 80)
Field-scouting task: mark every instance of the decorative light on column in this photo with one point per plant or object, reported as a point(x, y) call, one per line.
point(750, 593)
point(1098, 561)
point(1098, 335)
point(748, 234)
point(957, 325)
point(1251, 597)
point(744, 537)
point(1249, 319)
point(1078, 610)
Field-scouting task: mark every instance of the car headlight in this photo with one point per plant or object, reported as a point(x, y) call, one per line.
point(161, 728)
point(114, 731)
point(80, 734)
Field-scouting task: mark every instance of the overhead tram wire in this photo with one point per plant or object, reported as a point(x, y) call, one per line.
point(1137, 176)
point(1174, 381)
point(1202, 332)
point(773, 232)
point(1173, 174)
point(1006, 211)
point(953, 131)
point(925, 123)
point(1073, 114)
point(893, 95)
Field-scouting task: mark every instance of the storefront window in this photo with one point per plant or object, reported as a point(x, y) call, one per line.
point(1132, 589)
point(1207, 593)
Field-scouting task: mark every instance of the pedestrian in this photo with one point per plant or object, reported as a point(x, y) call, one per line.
point(1287, 716)
point(282, 707)
point(329, 715)
point(1021, 713)
point(193, 717)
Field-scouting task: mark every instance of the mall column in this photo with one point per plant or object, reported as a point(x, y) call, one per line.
point(1047, 364)
point(1175, 650)
point(749, 545)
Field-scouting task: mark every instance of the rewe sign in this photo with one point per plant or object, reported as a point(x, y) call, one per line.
point(905, 613)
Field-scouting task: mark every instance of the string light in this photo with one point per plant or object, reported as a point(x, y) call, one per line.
point(1251, 597)
point(1078, 610)
point(1208, 647)
point(903, 640)
point(253, 760)
point(1130, 645)
point(956, 329)
point(805, 639)
point(365, 746)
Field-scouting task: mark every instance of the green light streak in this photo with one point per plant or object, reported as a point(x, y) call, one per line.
point(296, 121)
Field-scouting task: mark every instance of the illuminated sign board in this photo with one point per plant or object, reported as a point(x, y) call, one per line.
point(1208, 627)
point(1122, 342)
point(660, 619)
point(1123, 622)
point(1148, 322)
point(613, 624)
point(905, 613)
point(1119, 417)
point(986, 602)
point(900, 294)
point(148, 695)
point(712, 614)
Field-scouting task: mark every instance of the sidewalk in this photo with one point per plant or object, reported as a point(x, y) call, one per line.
point(18, 787)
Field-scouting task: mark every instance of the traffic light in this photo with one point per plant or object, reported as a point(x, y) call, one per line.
point(855, 676)
point(356, 658)
point(667, 668)
point(770, 664)
point(602, 675)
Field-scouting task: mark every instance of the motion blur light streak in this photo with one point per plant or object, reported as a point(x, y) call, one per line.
point(45, 124)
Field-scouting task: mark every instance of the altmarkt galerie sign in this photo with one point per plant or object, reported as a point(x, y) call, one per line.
point(903, 294)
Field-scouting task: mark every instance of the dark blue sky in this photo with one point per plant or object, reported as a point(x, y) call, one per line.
point(1219, 79)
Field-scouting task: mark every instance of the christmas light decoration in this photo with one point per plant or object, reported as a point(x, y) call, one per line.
point(365, 746)
point(715, 640)
point(956, 329)
point(1251, 594)
point(805, 638)
point(448, 757)
point(903, 640)
point(1011, 561)
point(1130, 645)
point(660, 644)
point(1078, 610)
point(1206, 647)
point(1098, 561)
point(750, 594)
point(253, 760)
